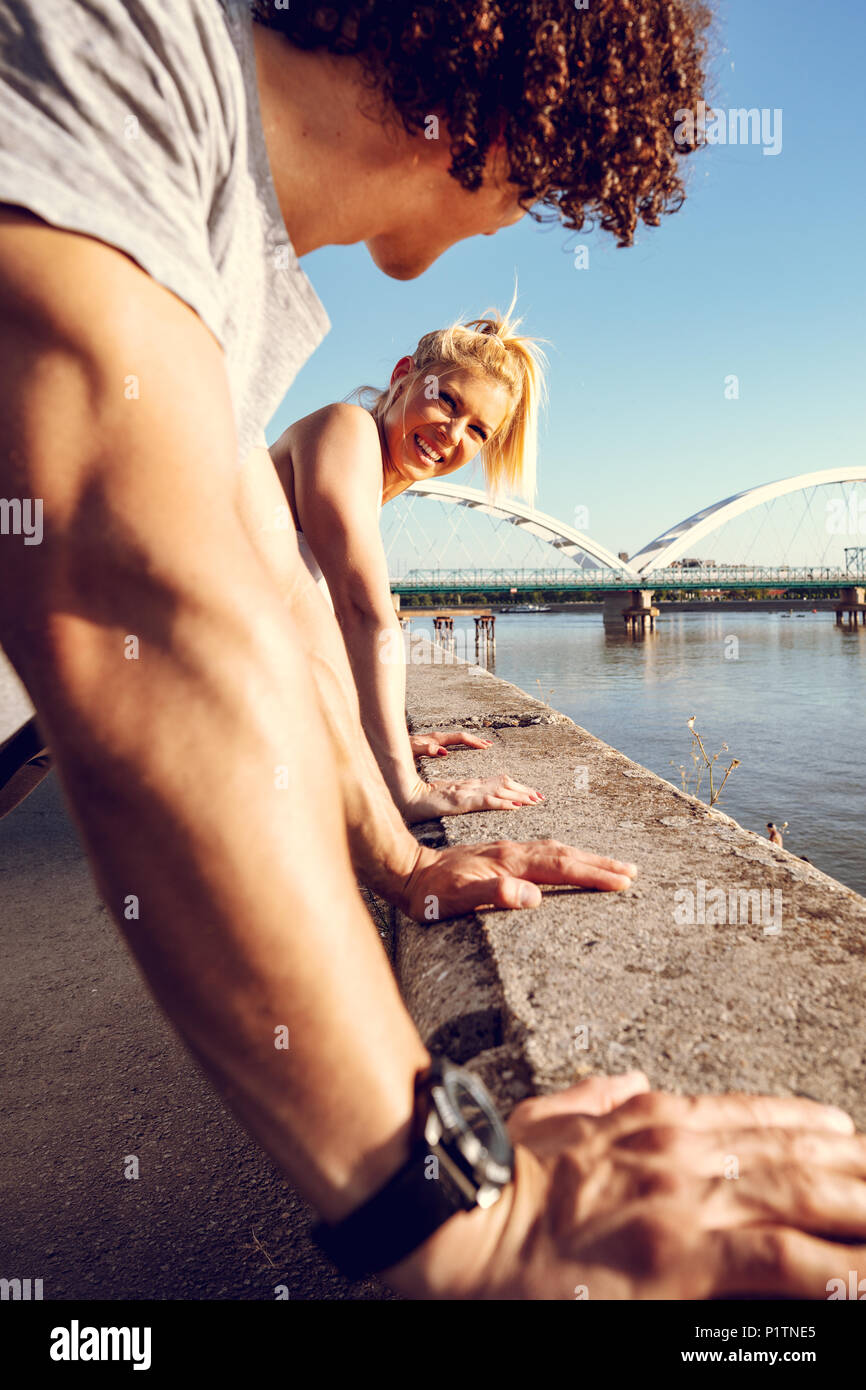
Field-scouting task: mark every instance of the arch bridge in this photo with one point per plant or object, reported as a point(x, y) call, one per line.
point(657, 565)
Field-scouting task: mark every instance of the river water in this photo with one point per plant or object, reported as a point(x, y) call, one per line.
point(787, 695)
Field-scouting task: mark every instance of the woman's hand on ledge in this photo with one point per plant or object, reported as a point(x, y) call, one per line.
point(446, 798)
point(449, 882)
point(436, 745)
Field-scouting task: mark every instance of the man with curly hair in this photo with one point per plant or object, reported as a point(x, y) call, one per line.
point(569, 108)
point(163, 165)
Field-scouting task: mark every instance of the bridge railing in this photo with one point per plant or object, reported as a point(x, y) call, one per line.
point(676, 577)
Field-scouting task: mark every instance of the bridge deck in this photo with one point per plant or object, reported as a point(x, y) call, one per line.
point(740, 577)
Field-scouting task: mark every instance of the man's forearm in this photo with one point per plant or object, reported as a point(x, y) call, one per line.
point(384, 852)
point(374, 646)
point(176, 698)
point(205, 786)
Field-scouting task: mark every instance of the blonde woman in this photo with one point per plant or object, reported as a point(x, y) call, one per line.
point(468, 390)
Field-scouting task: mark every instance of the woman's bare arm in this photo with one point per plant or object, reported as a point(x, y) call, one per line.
point(336, 473)
point(386, 856)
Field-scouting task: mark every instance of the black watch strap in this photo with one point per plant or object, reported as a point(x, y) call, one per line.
point(394, 1222)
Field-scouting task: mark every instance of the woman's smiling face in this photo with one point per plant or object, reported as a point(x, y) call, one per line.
point(439, 422)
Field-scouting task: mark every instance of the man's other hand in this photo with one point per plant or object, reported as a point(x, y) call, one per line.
point(506, 874)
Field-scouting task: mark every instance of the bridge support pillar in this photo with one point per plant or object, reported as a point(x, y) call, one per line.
point(852, 605)
point(632, 609)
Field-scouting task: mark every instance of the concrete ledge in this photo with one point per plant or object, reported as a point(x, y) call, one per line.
point(94, 1072)
point(594, 982)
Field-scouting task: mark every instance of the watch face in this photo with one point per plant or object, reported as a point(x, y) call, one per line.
point(479, 1127)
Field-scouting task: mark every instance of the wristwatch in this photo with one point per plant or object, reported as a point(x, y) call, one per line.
point(460, 1157)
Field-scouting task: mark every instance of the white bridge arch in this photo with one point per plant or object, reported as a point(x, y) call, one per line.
point(566, 539)
point(672, 544)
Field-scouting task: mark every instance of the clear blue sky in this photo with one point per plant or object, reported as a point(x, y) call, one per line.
point(760, 274)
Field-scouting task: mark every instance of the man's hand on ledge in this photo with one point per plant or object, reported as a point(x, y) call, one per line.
point(436, 744)
point(429, 800)
point(623, 1193)
point(448, 882)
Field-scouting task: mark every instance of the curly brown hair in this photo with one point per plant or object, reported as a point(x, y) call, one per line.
point(586, 99)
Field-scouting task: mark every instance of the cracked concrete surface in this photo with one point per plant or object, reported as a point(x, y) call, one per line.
point(595, 982)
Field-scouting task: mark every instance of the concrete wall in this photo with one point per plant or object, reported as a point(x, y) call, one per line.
point(588, 982)
point(606, 982)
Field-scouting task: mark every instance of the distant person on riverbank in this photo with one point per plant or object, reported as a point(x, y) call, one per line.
point(774, 834)
point(467, 391)
point(163, 164)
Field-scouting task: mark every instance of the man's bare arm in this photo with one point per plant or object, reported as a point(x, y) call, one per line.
point(180, 711)
point(182, 715)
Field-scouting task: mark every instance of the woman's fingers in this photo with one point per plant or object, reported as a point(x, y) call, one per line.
point(519, 790)
point(453, 737)
point(438, 743)
point(506, 786)
point(474, 789)
point(423, 746)
point(463, 802)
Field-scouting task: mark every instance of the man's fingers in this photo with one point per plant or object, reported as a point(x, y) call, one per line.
point(657, 1124)
point(817, 1199)
point(580, 875)
point(736, 1153)
point(777, 1260)
point(598, 1095)
point(490, 892)
point(728, 1112)
point(548, 861)
point(515, 893)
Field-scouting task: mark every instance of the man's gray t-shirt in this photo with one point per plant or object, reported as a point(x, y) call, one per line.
point(137, 122)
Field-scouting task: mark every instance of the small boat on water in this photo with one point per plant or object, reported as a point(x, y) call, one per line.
point(527, 608)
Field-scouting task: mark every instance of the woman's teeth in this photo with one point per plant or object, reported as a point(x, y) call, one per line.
point(426, 452)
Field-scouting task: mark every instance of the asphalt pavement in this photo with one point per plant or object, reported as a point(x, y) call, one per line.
point(92, 1076)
